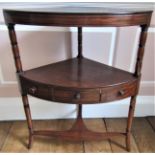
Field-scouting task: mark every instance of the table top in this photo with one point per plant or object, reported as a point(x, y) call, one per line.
point(90, 8)
point(79, 14)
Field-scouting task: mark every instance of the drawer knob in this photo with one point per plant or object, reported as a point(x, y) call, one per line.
point(77, 96)
point(121, 92)
point(33, 90)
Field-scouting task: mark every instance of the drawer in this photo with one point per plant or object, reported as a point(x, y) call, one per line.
point(68, 96)
point(38, 90)
point(118, 92)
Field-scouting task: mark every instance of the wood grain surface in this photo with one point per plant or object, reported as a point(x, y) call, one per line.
point(144, 135)
point(96, 146)
point(118, 143)
point(14, 135)
point(4, 131)
point(77, 74)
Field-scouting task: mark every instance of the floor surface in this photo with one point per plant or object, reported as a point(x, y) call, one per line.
point(14, 136)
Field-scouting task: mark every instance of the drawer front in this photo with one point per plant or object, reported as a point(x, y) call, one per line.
point(118, 92)
point(68, 96)
point(37, 90)
point(79, 96)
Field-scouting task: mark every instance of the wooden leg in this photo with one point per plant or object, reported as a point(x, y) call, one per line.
point(79, 123)
point(30, 140)
point(129, 122)
point(28, 118)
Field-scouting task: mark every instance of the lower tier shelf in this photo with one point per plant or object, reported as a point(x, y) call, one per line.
point(78, 81)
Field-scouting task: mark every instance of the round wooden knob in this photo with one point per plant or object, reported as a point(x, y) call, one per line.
point(33, 90)
point(121, 92)
point(77, 96)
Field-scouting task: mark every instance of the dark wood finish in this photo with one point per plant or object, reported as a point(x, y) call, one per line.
point(138, 67)
point(79, 131)
point(119, 92)
point(79, 80)
point(80, 42)
point(88, 9)
point(78, 74)
point(18, 65)
point(68, 82)
point(129, 122)
point(15, 49)
point(70, 19)
point(68, 96)
point(140, 54)
point(28, 118)
point(78, 135)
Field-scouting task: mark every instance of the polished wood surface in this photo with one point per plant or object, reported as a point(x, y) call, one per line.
point(69, 15)
point(140, 54)
point(79, 80)
point(90, 8)
point(73, 81)
point(142, 136)
point(78, 74)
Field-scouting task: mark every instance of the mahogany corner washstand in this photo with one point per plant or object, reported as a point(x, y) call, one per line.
point(79, 80)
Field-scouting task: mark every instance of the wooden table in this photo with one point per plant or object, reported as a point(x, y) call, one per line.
point(79, 80)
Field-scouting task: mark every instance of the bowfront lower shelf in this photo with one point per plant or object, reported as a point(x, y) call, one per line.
point(79, 81)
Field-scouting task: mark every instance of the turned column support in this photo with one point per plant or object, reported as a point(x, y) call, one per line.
point(15, 49)
point(129, 121)
point(18, 64)
point(138, 67)
point(140, 54)
point(28, 118)
point(80, 55)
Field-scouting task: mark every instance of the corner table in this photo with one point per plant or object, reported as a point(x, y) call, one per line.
point(79, 80)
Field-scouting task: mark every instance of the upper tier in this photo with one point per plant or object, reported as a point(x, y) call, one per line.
point(69, 14)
